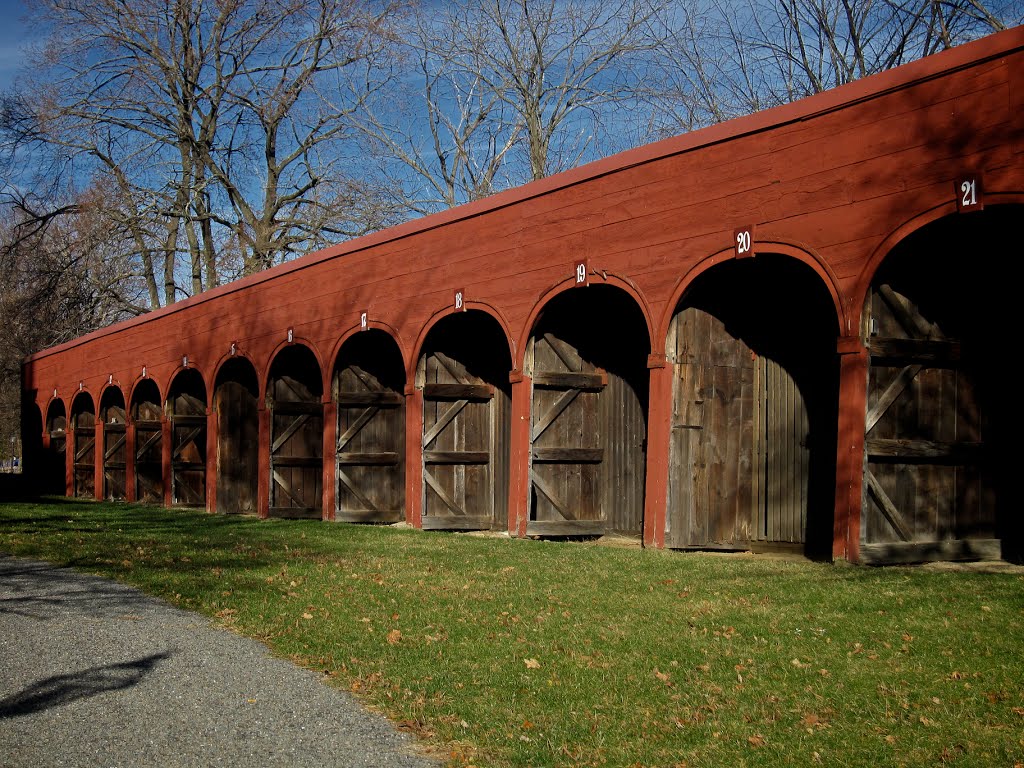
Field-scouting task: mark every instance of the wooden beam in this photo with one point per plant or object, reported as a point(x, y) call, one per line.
point(888, 508)
point(458, 391)
point(545, 420)
point(569, 455)
point(380, 458)
point(945, 353)
point(456, 457)
point(380, 399)
point(957, 453)
point(355, 426)
point(591, 382)
point(345, 480)
point(549, 493)
point(566, 528)
point(444, 421)
point(894, 390)
point(287, 434)
point(442, 494)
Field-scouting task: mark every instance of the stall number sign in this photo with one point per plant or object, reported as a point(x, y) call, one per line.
point(968, 190)
point(582, 272)
point(743, 242)
point(459, 302)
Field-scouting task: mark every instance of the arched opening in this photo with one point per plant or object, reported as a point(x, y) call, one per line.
point(83, 425)
point(54, 467)
point(369, 389)
point(236, 405)
point(463, 373)
point(939, 413)
point(587, 359)
point(115, 453)
point(754, 416)
point(294, 394)
point(146, 421)
point(186, 409)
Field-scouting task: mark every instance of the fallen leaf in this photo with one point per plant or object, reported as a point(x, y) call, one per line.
point(756, 741)
point(394, 636)
point(531, 663)
point(307, 615)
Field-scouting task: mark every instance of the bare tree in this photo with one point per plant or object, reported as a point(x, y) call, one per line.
point(499, 92)
point(217, 122)
point(725, 59)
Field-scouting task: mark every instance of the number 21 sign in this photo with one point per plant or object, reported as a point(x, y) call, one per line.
point(969, 193)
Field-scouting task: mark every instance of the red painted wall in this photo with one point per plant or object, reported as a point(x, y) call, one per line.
point(834, 180)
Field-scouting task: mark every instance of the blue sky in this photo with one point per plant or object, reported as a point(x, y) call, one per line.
point(12, 35)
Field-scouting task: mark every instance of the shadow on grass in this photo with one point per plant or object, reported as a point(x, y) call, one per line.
point(63, 689)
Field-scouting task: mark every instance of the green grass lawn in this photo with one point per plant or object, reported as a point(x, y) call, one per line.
point(503, 652)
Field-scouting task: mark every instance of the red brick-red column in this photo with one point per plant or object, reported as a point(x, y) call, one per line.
point(519, 455)
point(329, 452)
point(263, 464)
point(130, 492)
point(99, 450)
point(659, 435)
point(167, 431)
point(212, 458)
point(414, 457)
point(853, 392)
point(69, 462)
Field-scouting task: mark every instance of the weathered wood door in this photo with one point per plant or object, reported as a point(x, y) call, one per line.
point(567, 454)
point(236, 402)
point(925, 480)
point(188, 449)
point(296, 448)
point(459, 413)
point(147, 423)
point(114, 452)
point(85, 454)
point(714, 475)
point(370, 454)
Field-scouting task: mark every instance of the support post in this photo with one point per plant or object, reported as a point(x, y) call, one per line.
point(330, 463)
point(263, 464)
point(853, 388)
point(519, 454)
point(414, 456)
point(659, 436)
point(99, 453)
point(212, 457)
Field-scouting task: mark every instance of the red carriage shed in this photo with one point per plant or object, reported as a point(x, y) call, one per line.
point(779, 332)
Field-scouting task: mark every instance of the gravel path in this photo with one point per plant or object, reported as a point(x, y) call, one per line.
point(93, 673)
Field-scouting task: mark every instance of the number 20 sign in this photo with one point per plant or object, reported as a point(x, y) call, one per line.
point(743, 241)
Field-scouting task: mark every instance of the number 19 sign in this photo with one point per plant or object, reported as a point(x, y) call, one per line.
point(582, 272)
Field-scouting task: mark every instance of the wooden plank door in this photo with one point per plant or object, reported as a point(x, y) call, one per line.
point(85, 455)
point(370, 449)
point(567, 448)
point(458, 446)
point(925, 480)
point(714, 474)
point(188, 450)
point(149, 481)
point(114, 454)
point(296, 450)
point(237, 408)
